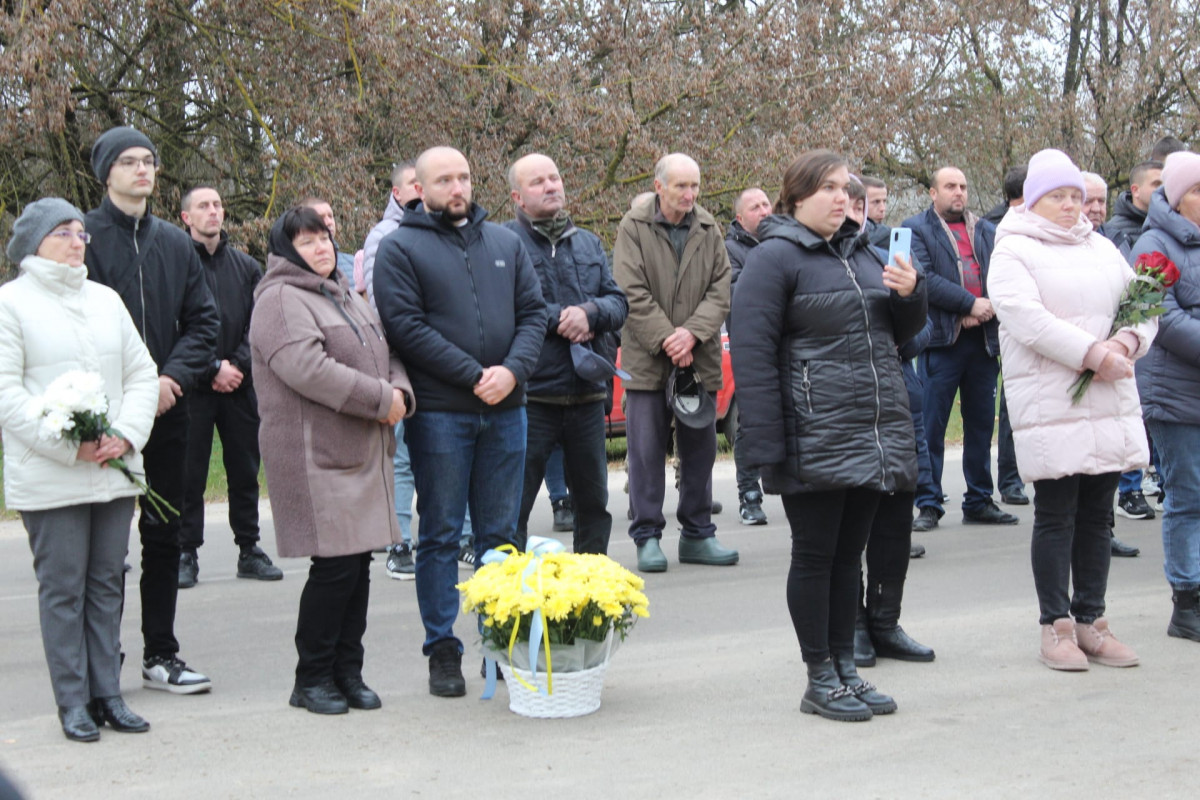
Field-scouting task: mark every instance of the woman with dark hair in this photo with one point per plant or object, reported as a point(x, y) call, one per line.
point(826, 409)
point(54, 320)
point(1056, 284)
point(329, 394)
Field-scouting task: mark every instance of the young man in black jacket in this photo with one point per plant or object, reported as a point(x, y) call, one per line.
point(583, 303)
point(153, 266)
point(462, 307)
point(224, 398)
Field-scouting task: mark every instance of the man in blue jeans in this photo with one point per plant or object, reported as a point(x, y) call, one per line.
point(462, 307)
point(955, 248)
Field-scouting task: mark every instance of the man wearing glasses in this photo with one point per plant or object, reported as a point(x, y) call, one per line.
point(153, 266)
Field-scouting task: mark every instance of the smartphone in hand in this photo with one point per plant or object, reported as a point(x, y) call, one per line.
point(900, 243)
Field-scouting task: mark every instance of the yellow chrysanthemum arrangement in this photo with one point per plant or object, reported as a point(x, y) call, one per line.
point(581, 596)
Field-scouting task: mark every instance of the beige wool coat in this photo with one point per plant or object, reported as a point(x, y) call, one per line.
point(664, 294)
point(324, 376)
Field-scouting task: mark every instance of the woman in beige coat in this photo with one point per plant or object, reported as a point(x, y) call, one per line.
point(1056, 285)
point(329, 394)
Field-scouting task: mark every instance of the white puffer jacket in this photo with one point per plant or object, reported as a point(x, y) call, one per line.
point(53, 320)
point(1056, 293)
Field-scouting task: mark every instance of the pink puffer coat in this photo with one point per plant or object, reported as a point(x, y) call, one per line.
point(1056, 293)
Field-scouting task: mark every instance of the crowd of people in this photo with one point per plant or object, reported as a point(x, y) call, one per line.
point(463, 362)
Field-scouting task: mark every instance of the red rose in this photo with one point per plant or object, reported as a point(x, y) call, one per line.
point(1159, 266)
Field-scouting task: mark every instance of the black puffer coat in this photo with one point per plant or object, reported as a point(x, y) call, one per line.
point(819, 384)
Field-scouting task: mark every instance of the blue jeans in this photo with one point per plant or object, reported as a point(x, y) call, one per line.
point(461, 460)
point(556, 477)
point(925, 495)
point(966, 369)
point(402, 477)
point(1130, 482)
point(1179, 468)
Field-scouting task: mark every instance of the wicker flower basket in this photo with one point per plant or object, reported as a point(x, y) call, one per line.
point(575, 693)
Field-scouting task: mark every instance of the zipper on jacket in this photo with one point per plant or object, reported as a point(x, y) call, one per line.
point(141, 282)
point(862, 298)
point(806, 385)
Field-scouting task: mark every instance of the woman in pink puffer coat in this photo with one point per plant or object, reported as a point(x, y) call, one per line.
point(1056, 284)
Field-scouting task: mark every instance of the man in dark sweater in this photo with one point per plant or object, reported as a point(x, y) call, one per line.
point(583, 303)
point(224, 398)
point(153, 266)
point(462, 307)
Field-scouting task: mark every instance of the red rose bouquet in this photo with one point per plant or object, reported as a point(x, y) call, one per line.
point(1154, 273)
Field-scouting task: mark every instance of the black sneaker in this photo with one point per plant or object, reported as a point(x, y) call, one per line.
point(445, 671)
point(189, 568)
point(400, 563)
point(750, 508)
point(254, 563)
point(466, 556)
point(564, 516)
point(170, 674)
point(927, 520)
point(1133, 505)
point(989, 515)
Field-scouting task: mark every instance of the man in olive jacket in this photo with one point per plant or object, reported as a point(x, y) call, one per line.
point(671, 262)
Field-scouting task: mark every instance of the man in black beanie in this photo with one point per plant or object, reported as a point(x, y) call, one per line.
point(153, 266)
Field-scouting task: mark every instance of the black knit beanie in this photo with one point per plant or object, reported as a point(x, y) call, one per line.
point(112, 143)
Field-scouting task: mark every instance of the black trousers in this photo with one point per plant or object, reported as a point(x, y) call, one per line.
point(580, 431)
point(333, 619)
point(1072, 530)
point(235, 417)
point(164, 459)
point(829, 532)
point(891, 539)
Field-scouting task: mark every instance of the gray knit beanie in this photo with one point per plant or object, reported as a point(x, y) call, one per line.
point(112, 143)
point(36, 222)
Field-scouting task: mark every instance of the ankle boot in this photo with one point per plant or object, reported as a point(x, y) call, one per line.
point(883, 613)
point(1099, 644)
point(1185, 619)
point(827, 696)
point(878, 702)
point(864, 651)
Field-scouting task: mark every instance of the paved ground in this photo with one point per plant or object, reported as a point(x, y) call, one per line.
point(702, 702)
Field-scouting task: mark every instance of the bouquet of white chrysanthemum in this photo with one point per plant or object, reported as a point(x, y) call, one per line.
point(75, 407)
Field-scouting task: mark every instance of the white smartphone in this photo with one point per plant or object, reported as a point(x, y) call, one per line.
point(900, 244)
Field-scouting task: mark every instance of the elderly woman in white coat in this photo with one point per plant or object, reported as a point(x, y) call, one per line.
point(76, 511)
point(1056, 285)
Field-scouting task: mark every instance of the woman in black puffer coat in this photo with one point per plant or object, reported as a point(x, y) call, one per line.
point(825, 407)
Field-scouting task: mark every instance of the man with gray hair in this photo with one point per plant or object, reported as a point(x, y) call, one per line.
point(671, 262)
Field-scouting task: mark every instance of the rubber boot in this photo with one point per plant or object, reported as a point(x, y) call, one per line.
point(864, 651)
point(883, 620)
point(1185, 619)
point(827, 696)
point(878, 702)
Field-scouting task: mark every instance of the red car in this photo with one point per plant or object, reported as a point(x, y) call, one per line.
point(726, 402)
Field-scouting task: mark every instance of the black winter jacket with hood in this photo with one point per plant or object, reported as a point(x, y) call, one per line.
point(1126, 221)
point(166, 293)
point(573, 271)
point(232, 277)
point(823, 401)
point(456, 299)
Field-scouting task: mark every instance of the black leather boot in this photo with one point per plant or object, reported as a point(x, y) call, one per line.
point(77, 724)
point(118, 716)
point(883, 621)
point(324, 698)
point(1185, 619)
point(878, 702)
point(864, 651)
point(358, 694)
point(827, 696)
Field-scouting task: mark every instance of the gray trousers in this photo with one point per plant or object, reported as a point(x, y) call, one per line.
point(79, 559)
point(647, 430)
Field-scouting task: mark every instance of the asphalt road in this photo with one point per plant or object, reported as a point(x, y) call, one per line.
point(701, 702)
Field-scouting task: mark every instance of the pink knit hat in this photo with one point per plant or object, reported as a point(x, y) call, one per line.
point(1050, 170)
point(1181, 171)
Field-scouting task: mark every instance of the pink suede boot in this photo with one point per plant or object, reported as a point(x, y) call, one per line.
point(1100, 645)
point(1059, 650)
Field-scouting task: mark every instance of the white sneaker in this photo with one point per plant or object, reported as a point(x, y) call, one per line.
point(170, 674)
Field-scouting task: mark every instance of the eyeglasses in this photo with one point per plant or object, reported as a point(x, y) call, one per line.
point(84, 236)
point(129, 162)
